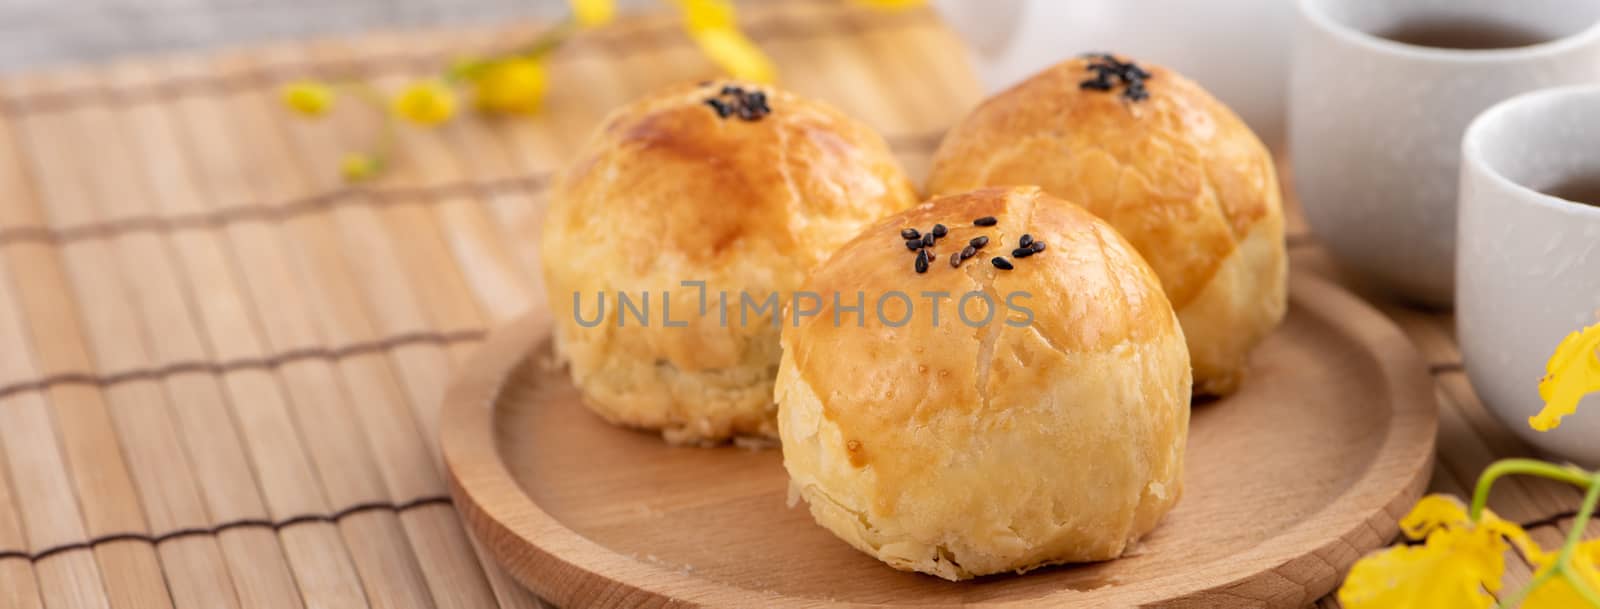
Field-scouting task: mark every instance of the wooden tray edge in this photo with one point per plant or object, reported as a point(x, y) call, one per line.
point(468, 415)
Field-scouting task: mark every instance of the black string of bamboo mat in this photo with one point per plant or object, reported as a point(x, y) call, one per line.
point(655, 37)
point(275, 361)
point(1552, 520)
point(255, 363)
point(273, 213)
point(275, 525)
point(367, 196)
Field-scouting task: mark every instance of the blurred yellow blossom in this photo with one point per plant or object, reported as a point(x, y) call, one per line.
point(309, 98)
point(514, 85)
point(1458, 566)
point(891, 5)
point(426, 103)
point(593, 13)
point(736, 55)
point(715, 29)
point(358, 167)
point(702, 15)
point(1573, 372)
point(516, 80)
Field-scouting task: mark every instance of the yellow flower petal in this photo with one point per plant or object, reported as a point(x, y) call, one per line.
point(593, 13)
point(514, 85)
point(307, 97)
point(358, 167)
point(892, 5)
point(1431, 576)
point(1458, 567)
point(1558, 592)
point(1435, 512)
point(426, 103)
point(1573, 372)
point(1432, 513)
point(704, 15)
point(736, 55)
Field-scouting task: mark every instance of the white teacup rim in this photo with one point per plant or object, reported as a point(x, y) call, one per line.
point(1472, 146)
point(1314, 13)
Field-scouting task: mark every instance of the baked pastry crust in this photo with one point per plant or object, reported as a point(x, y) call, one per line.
point(668, 191)
point(960, 451)
point(1178, 174)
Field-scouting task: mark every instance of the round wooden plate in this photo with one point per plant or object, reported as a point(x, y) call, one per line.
point(1287, 483)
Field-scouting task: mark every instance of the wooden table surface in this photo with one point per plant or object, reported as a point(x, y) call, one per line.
point(220, 366)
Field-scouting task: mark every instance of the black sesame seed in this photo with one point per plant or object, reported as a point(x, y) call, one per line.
point(985, 221)
point(913, 244)
point(956, 258)
point(922, 261)
point(1096, 84)
point(968, 252)
point(928, 239)
point(1025, 241)
point(910, 233)
point(940, 231)
point(979, 241)
point(1021, 252)
point(1104, 75)
point(1038, 246)
point(1108, 71)
point(722, 109)
point(732, 90)
point(1001, 263)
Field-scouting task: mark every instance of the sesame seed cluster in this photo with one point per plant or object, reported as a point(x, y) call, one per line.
point(923, 244)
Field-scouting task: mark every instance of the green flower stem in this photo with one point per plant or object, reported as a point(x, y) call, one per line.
point(1563, 566)
point(385, 143)
point(547, 41)
point(470, 69)
point(1515, 600)
point(1568, 474)
point(1579, 524)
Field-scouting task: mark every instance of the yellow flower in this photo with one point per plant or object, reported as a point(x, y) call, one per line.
point(514, 85)
point(1431, 576)
point(714, 27)
point(593, 13)
point(736, 55)
point(1458, 567)
point(358, 167)
point(1558, 591)
point(702, 15)
point(307, 97)
point(891, 5)
point(1573, 371)
point(426, 103)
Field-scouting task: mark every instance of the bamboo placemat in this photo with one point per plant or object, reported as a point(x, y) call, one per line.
point(220, 365)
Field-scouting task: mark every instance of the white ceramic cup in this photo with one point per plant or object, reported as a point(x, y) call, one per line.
point(1528, 271)
point(1375, 125)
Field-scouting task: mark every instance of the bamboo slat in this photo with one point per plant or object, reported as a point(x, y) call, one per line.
point(222, 363)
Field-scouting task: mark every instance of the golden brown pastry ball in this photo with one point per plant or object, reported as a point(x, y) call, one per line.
point(1054, 432)
point(1170, 167)
point(739, 186)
